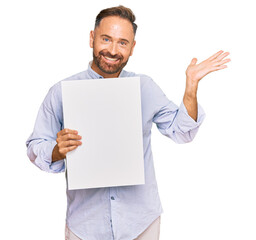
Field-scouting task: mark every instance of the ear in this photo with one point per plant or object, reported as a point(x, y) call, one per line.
point(133, 45)
point(91, 38)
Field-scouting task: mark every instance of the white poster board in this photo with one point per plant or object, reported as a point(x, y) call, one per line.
point(107, 114)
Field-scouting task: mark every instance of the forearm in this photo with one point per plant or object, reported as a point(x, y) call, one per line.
point(190, 99)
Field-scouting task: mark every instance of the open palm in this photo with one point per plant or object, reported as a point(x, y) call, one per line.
point(216, 62)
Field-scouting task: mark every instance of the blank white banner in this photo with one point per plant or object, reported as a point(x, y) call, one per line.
point(107, 114)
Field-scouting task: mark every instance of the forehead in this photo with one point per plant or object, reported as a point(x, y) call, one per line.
point(116, 27)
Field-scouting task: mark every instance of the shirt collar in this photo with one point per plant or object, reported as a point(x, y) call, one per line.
point(92, 73)
point(95, 75)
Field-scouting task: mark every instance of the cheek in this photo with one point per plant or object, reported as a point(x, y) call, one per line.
point(126, 54)
point(96, 49)
point(97, 46)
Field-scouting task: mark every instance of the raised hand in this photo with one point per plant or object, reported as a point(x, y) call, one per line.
point(195, 72)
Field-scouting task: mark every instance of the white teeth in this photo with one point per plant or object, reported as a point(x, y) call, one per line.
point(111, 59)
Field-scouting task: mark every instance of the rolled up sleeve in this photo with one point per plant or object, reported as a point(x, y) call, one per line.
point(185, 128)
point(40, 153)
point(173, 121)
point(41, 142)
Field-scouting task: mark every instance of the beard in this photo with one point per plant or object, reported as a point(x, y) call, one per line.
point(109, 68)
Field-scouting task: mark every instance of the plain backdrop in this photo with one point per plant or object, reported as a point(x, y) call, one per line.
point(207, 187)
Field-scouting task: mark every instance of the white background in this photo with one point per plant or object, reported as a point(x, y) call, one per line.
point(207, 187)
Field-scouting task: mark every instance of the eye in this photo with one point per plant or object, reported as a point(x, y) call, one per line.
point(105, 39)
point(123, 43)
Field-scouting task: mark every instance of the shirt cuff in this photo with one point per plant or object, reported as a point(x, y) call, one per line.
point(43, 160)
point(185, 122)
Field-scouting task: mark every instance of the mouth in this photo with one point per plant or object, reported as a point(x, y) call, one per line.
point(111, 60)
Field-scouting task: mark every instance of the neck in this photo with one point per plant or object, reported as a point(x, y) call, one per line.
point(103, 74)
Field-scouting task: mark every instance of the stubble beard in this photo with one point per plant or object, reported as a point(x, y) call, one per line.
point(109, 68)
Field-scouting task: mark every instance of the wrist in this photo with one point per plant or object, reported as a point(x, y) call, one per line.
point(56, 156)
point(191, 88)
point(191, 92)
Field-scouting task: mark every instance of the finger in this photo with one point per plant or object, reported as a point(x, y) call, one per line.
point(215, 55)
point(221, 62)
point(222, 56)
point(69, 143)
point(69, 136)
point(193, 61)
point(64, 151)
point(66, 131)
point(219, 68)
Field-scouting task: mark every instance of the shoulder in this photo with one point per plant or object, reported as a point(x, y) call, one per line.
point(78, 76)
point(145, 80)
point(149, 88)
point(54, 95)
point(56, 88)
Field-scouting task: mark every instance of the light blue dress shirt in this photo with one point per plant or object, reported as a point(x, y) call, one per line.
point(112, 213)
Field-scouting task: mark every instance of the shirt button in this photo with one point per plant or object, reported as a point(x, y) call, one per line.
point(112, 198)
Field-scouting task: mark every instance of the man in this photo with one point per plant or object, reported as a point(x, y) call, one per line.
point(127, 212)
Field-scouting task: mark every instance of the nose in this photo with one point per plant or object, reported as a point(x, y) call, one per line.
point(113, 49)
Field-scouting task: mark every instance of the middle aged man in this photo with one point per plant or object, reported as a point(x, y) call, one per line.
point(127, 212)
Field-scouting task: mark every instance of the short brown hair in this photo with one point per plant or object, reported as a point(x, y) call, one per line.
point(119, 11)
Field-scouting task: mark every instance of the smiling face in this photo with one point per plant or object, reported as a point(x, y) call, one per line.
point(113, 43)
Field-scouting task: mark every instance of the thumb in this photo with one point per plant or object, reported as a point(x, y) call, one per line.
point(194, 61)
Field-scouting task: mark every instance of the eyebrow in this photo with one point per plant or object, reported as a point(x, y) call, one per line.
point(122, 39)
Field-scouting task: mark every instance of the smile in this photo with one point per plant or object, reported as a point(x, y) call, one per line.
point(111, 59)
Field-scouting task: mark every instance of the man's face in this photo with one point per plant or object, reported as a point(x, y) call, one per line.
point(113, 43)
